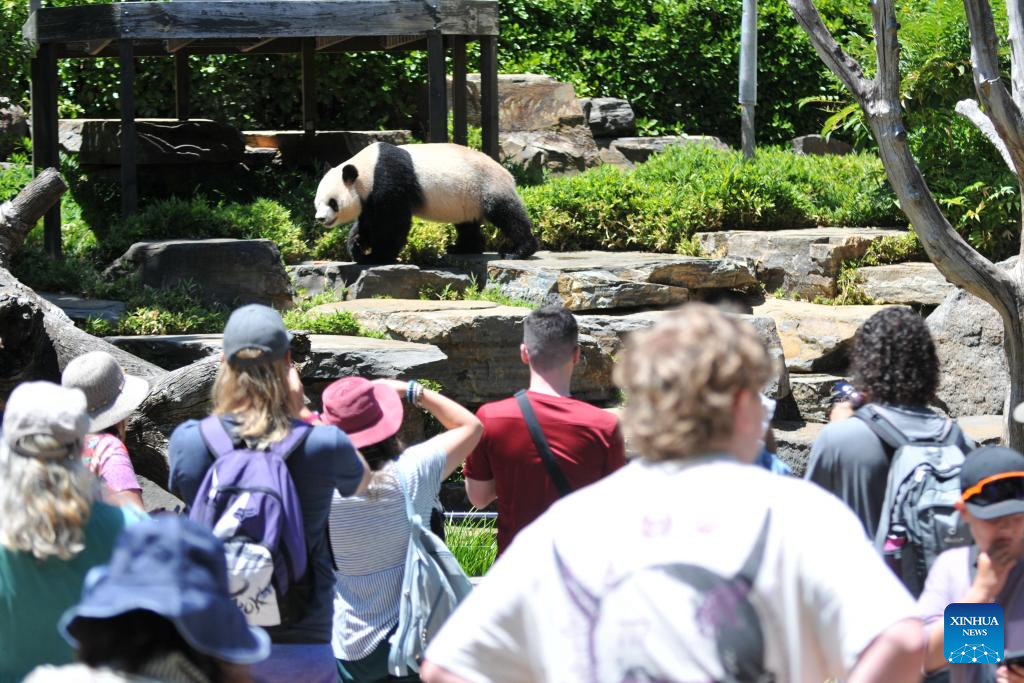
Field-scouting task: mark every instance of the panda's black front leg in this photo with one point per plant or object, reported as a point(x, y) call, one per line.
point(355, 248)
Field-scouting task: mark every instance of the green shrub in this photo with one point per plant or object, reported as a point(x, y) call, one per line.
point(427, 243)
point(335, 322)
point(170, 310)
point(694, 188)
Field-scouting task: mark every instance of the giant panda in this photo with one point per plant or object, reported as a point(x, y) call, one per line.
point(383, 186)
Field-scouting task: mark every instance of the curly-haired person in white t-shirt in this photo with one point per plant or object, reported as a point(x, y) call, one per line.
point(690, 563)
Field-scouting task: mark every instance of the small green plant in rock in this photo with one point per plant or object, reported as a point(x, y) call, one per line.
point(893, 249)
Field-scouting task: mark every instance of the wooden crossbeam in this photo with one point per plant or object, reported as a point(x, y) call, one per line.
point(324, 42)
point(391, 42)
point(258, 43)
point(175, 44)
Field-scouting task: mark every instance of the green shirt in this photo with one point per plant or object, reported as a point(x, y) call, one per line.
point(34, 593)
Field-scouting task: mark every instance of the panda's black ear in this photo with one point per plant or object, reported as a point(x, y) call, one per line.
point(349, 173)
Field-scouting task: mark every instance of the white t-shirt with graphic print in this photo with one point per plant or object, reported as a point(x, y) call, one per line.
point(682, 572)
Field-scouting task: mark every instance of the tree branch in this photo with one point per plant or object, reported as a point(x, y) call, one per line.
point(842, 65)
point(992, 93)
point(19, 215)
point(970, 110)
point(1015, 18)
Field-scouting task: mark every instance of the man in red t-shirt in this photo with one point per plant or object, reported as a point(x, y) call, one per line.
point(585, 441)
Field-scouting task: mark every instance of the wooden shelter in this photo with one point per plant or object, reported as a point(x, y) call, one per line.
point(180, 28)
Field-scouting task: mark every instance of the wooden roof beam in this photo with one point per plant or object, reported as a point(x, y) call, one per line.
point(257, 44)
point(175, 44)
point(324, 42)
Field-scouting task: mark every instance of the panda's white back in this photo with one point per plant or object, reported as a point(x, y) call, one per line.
point(455, 179)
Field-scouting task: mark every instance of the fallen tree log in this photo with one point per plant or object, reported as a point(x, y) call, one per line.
point(21, 213)
point(37, 340)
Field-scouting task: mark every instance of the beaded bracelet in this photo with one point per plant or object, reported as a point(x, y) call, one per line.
point(414, 393)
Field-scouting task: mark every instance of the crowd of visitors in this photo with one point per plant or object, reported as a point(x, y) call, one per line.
point(300, 554)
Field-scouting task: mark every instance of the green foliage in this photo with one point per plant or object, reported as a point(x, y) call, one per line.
point(474, 543)
point(693, 188)
point(198, 219)
point(898, 249)
point(427, 243)
point(170, 310)
point(677, 61)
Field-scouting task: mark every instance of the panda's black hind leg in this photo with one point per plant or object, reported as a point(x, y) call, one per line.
point(509, 215)
point(468, 239)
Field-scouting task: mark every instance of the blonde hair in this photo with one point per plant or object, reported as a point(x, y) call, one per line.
point(681, 377)
point(44, 504)
point(257, 395)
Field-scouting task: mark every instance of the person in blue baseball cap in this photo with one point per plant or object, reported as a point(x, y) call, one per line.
point(160, 610)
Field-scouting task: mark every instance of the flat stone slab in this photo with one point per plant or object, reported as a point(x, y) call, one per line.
point(80, 310)
point(811, 394)
point(159, 141)
point(905, 283)
point(329, 356)
point(401, 281)
point(804, 261)
point(316, 277)
point(815, 337)
point(611, 332)
point(638, 150)
point(986, 430)
point(481, 340)
point(594, 280)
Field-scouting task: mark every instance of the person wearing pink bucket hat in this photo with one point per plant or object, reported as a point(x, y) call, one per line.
point(370, 532)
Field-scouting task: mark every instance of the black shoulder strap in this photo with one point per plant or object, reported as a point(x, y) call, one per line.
point(546, 456)
point(882, 427)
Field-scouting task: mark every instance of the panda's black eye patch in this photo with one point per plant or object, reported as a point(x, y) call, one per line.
point(333, 203)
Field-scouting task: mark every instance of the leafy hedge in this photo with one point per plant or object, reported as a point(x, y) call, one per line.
point(675, 60)
point(694, 188)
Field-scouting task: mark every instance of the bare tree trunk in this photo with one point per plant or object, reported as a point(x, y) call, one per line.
point(21, 213)
point(879, 99)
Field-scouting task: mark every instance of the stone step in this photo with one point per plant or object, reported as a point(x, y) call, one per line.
point(595, 280)
point(794, 439)
point(326, 358)
point(811, 394)
point(905, 283)
point(610, 331)
point(815, 337)
point(481, 340)
point(802, 261)
point(317, 277)
point(80, 310)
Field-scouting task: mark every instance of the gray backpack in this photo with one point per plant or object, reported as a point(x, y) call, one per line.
point(919, 518)
point(433, 586)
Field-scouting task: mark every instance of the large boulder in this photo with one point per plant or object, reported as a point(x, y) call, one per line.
point(611, 331)
point(402, 281)
point(639, 150)
point(803, 261)
point(561, 151)
point(968, 336)
point(316, 277)
point(481, 340)
point(13, 126)
point(228, 272)
point(527, 102)
point(819, 145)
point(609, 117)
point(594, 280)
point(158, 141)
point(904, 283)
point(815, 337)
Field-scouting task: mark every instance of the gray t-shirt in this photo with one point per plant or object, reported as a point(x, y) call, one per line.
point(948, 582)
point(851, 462)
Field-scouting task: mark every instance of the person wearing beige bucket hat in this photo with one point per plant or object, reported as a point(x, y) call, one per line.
point(111, 397)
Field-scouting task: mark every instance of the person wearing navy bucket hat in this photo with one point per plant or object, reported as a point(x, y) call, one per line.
point(263, 480)
point(161, 610)
point(991, 570)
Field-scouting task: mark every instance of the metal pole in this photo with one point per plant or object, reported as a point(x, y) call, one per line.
point(748, 76)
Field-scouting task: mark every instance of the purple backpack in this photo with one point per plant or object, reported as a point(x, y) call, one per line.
point(249, 501)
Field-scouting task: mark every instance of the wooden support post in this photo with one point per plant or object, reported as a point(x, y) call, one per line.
point(182, 86)
point(44, 134)
point(489, 95)
point(460, 128)
point(308, 87)
point(129, 176)
point(437, 100)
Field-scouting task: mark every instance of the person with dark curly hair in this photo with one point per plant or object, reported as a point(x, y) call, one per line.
point(895, 367)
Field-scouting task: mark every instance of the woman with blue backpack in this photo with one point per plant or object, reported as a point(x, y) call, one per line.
point(370, 532)
point(263, 481)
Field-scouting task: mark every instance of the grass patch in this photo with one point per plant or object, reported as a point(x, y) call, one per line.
point(895, 249)
point(473, 293)
point(474, 542)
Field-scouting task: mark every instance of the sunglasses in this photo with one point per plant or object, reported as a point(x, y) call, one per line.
point(996, 489)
